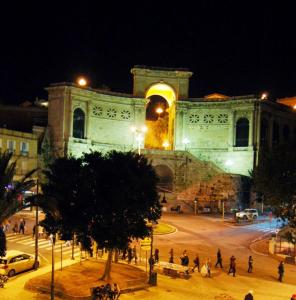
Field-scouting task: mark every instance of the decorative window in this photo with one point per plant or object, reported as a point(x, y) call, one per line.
point(125, 114)
point(223, 118)
point(242, 133)
point(24, 148)
point(11, 146)
point(111, 113)
point(78, 123)
point(208, 119)
point(97, 111)
point(194, 118)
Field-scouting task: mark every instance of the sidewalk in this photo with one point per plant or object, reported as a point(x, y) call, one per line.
point(14, 289)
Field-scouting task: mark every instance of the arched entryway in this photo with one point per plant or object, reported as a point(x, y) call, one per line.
point(160, 116)
point(166, 177)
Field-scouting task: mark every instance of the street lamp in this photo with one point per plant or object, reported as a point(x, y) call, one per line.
point(185, 143)
point(139, 135)
point(81, 81)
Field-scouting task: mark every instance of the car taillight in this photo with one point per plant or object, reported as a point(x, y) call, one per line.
point(4, 267)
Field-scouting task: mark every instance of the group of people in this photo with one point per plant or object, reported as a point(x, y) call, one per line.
point(130, 253)
point(205, 269)
point(105, 292)
point(18, 227)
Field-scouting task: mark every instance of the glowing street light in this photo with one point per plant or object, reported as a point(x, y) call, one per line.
point(82, 81)
point(165, 144)
point(185, 142)
point(159, 110)
point(294, 107)
point(264, 96)
point(139, 135)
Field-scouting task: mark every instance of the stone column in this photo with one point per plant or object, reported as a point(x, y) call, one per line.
point(251, 128)
point(231, 130)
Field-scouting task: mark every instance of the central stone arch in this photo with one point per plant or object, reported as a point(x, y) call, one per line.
point(160, 116)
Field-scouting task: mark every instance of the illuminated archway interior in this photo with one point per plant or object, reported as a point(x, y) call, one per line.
point(160, 116)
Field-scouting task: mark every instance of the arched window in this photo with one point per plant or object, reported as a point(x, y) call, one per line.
point(264, 132)
point(275, 133)
point(286, 133)
point(242, 133)
point(78, 123)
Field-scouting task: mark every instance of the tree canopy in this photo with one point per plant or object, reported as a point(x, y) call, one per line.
point(275, 178)
point(108, 198)
point(9, 192)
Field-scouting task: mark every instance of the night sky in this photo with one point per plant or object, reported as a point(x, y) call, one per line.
point(232, 47)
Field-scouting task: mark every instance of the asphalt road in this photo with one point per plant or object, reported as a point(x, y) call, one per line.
point(202, 235)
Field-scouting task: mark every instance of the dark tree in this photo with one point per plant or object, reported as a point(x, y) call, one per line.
point(275, 178)
point(123, 197)
point(107, 198)
point(9, 192)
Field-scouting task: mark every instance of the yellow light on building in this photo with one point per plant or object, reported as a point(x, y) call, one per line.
point(81, 81)
point(294, 106)
point(166, 144)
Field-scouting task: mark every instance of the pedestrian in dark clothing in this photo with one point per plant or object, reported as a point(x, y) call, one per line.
point(219, 259)
point(135, 254)
point(156, 255)
point(151, 262)
point(129, 254)
point(281, 271)
point(232, 266)
point(184, 259)
point(250, 269)
point(249, 296)
point(22, 226)
point(171, 253)
point(196, 263)
point(15, 228)
point(124, 252)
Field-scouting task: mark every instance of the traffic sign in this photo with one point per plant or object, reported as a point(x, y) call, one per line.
point(145, 244)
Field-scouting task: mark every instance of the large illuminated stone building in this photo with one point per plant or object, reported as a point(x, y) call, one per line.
point(198, 146)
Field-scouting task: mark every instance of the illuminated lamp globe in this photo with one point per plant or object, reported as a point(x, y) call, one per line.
point(264, 96)
point(82, 81)
point(159, 110)
point(166, 144)
point(294, 106)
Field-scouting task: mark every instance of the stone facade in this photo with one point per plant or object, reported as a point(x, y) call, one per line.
point(208, 136)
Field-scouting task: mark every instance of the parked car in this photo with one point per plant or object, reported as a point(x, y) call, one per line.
point(16, 261)
point(247, 214)
point(204, 209)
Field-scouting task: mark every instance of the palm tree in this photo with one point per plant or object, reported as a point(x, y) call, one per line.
point(9, 192)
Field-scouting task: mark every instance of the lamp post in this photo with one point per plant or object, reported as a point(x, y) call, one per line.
point(185, 142)
point(195, 205)
point(36, 229)
point(139, 136)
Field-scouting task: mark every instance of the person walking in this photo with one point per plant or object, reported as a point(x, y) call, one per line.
point(196, 263)
point(281, 271)
point(250, 263)
point(171, 254)
point(219, 259)
point(15, 228)
point(135, 254)
point(232, 266)
point(208, 266)
point(156, 255)
point(184, 259)
point(22, 226)
point(129, 254)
